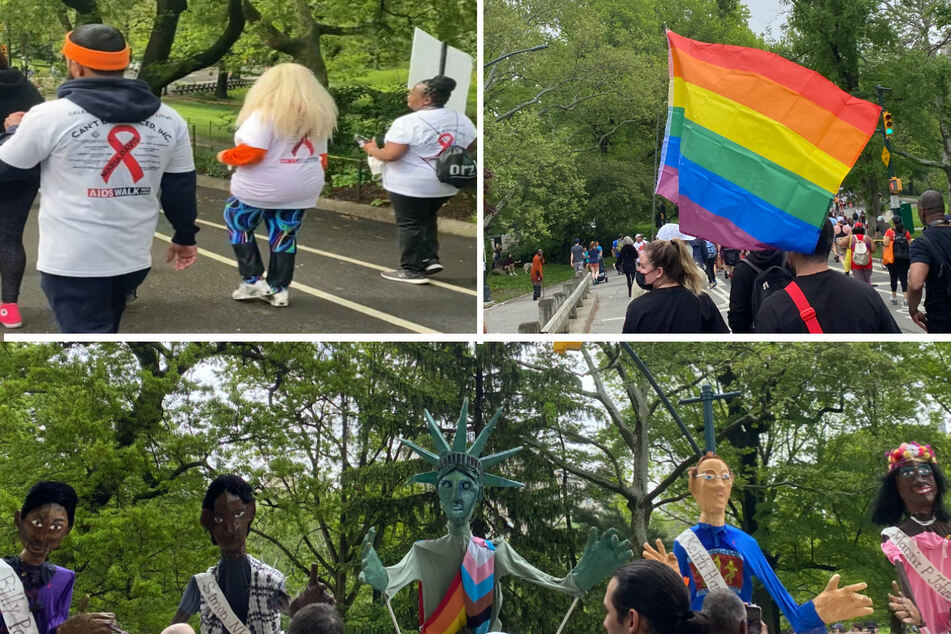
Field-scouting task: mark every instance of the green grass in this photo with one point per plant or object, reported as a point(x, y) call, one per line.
point(505, 287)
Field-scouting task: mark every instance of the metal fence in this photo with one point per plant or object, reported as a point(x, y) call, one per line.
point(205, 87)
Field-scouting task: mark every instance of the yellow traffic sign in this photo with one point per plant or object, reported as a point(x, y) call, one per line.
point(885, 156)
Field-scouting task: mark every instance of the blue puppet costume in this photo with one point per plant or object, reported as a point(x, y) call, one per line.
point(711, 555)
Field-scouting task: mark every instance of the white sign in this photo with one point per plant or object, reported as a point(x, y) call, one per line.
point(425, 64)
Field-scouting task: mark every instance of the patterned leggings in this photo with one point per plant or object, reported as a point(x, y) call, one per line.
point(282, 226)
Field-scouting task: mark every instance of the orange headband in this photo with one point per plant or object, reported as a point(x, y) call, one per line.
point(96, 60)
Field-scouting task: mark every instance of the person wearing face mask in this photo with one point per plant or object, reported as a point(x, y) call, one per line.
point(448, 604)
point(36, 594)
point(239, 594)
point(110, 155)
point(711, 555)
point(646, 597)
point(910, 503)
point(678, 301)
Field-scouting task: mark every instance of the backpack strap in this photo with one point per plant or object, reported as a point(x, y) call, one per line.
point(806, 312)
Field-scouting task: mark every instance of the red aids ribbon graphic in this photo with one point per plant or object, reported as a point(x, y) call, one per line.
point(306, 143)
point(445, 140)
point(123, 153)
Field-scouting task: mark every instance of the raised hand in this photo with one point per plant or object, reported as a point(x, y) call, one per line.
point(372, 570)
point(315, 592)
point(903, 607)
point(661, 555)
point(601, 558)
point(842, 604)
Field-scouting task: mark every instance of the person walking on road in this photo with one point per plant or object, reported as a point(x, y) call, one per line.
point(861, 247)
point(594, 261)
point(537, 263)
point(17, 94)
point(412, 144)
point(110, 153)
point(627, 261)
point(896, 257)
point(677, 302)
point(576, 256)
point(931, 266)
point(280, 154)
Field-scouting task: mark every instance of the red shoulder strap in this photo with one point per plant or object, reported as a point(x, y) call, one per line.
point(806, 312)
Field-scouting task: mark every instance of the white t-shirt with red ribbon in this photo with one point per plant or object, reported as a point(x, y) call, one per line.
point(291, 174)
point(427, 132)
point(99, 184)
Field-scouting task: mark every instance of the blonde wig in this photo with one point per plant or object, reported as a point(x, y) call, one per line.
point(676, 258)
point(290, 98)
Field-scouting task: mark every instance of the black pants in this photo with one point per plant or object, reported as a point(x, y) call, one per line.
point(898, 272)
point(630, 281)
point(708, 267)
point(89, 304)
point(416, 219)
point(14, 209)
point(536, 290)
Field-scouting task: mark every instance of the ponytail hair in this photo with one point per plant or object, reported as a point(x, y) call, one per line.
point(899, 225)
point(658, 595)
point(675, 258)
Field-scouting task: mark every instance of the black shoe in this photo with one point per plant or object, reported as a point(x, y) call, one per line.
point(403, 275)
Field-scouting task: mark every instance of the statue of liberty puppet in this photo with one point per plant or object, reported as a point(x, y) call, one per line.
point(459, 572)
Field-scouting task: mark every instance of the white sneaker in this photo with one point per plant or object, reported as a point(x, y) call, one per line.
point(259, 289)
point(277, 299)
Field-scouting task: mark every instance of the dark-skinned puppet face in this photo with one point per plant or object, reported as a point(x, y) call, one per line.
point(227, 512)
point(914, 485)
point(44, 520)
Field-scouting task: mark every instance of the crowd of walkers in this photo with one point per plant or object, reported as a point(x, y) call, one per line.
point(773, 291)
point(107, 155)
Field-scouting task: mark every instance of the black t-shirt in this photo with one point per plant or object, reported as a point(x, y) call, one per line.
point(937, 302)
point(671, 310)
point(842, 304)
point(627, 257)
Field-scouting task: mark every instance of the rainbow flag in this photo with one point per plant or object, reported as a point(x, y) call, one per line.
point(469, 599)
point(755, 146)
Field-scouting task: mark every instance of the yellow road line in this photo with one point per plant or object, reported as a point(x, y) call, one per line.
point(343, 258)
point(310, 290)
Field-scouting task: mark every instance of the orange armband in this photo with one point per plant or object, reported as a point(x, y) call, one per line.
point(242, 155)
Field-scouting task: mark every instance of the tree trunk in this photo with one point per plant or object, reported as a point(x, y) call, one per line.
point(221, 85)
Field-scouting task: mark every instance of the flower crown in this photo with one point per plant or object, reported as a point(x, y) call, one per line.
point(910, 451)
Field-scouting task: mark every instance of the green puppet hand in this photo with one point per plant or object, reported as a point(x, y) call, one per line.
point(372, 570)
point(601, 558)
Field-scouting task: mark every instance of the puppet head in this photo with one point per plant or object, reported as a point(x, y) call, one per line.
point(460, 472)
point(914, 485)
point(45, 519)
point(711, 482)
point(227, 512)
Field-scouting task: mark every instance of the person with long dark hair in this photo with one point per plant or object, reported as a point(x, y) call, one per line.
point(678, 301)
point(647, 597)
point(910, 503)
point(17, 94)
point(627, 261)
point(411, 146)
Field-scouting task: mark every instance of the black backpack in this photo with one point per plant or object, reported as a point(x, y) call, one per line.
point(900, 249)
point(454, 165)
point(768, 281)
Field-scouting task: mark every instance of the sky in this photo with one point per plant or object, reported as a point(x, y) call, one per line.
point(767, 17)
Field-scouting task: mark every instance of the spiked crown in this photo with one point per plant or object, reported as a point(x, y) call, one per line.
point(457, 455)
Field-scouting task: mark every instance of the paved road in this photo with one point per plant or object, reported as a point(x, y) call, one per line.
point(337, 285)
point(610, 304)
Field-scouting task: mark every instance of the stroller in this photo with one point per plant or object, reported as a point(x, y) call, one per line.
point(602, 275)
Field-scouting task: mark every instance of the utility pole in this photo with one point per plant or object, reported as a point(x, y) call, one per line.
point(707, 397)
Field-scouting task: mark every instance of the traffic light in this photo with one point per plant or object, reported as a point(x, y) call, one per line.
point(894, 185)
point(889, 126)
point(562, 347)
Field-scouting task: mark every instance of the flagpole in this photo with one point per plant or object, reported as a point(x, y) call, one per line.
point(565, 620)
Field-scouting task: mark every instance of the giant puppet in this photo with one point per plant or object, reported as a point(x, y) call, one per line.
point(459, 572)
point(34, 594)
point(239, 594)
point(712, 555)
point(910, 504)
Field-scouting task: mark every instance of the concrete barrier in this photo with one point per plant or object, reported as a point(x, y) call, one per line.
point(558, 322)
